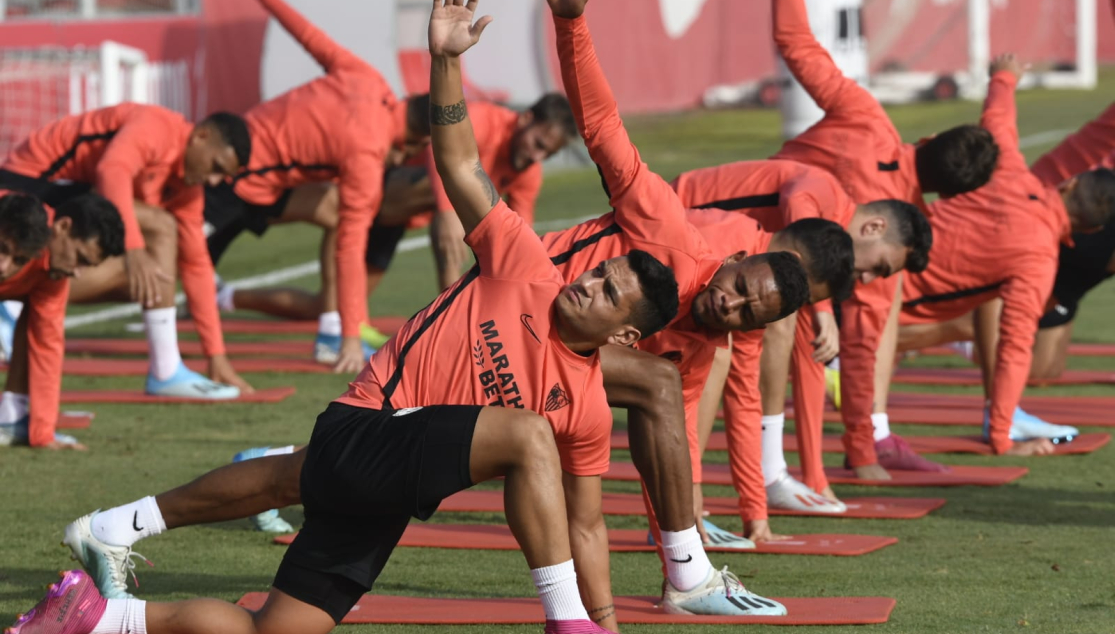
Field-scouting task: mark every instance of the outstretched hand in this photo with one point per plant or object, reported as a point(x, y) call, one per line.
point(1009, 62)
point(451, 29)
point(567, 9)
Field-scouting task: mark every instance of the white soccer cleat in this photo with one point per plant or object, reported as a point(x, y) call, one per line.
point(788, 494)
point(108, 565)
point(721, 594)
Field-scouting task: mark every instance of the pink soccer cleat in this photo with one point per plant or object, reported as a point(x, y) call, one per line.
point(71, 606)
point(578, 626)
point(894, 453)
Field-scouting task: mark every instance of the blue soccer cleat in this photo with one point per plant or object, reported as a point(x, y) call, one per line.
point(185, 383)
point(1026, 426)
point(726, 539)
point(18, 434)
point(327, 348)
point(721, 594)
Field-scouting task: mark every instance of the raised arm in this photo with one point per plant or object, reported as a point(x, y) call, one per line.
point(324, 50)
point(468, 187)
point(1000, 114)
point(1084, 150)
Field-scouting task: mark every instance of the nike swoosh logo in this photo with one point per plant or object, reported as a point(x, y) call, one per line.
point(682, 561)
point(525, 318)
point(138, 528)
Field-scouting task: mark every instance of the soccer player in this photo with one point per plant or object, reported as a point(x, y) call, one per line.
point(447, 403)
point(1022, 222)
point(858, 144)
point(81, 233)
point(888, 236)
point(151, 164)
point(346, 127)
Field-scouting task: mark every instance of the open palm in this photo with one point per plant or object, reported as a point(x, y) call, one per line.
point(451, 29)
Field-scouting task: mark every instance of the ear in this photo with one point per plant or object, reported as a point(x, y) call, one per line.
point(739, 256)
point(62, 225)
point(625, 336)
point(874, 226)
point(201, 133)
point(1068, 186)
point(526, 118)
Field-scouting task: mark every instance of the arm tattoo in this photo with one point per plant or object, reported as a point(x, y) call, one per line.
point(448, 115)
point(489, 187)
point(600, 614)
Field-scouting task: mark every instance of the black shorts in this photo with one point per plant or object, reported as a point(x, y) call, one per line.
point(50, 192)
point(228, 215)
point(383, 242)
point(1080, 268)
point(367, 472)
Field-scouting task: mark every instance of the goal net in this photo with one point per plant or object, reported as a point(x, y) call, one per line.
point(40, 85)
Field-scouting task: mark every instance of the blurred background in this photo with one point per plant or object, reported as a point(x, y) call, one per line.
point(196, 56)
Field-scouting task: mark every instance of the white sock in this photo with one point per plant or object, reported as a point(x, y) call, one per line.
point(834, 364)
point(225, 298)
point(687, 565)
point(123, 616)
point(774, 462)
point(14, 308)
point(162, 341)
point(126, 525)
point(557, 587)
point(881, 422)
point(13, 407)
point(329, 324)
point(278, 451)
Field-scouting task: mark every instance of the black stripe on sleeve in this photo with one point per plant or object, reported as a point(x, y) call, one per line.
point(744, 202)
point(888, 167)
point(945, 297)
point(57, 165)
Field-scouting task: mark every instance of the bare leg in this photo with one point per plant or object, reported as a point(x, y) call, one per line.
point(778, 342)
point(712, 394)
point(918, 336)
point(19, 369)
point(884, 370)
point(282, 614)
point(108, 281)
point(1051, 349)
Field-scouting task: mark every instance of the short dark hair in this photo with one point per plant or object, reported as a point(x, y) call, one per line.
point(957, 161)
point(790, 277)
point(553, 108)
point(659, 305)
point(234, 131)
point(910, 228)
point(23, 221)
point(1092, 203)
point(829, 257)
point(93, 216)
point(418, 114)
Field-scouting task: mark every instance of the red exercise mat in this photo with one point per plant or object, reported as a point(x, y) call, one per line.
point(138, 367)
point(499, 537)
point(632, 504)
point(387, 609)
point(75, 420)
point(1084, 443)
point(386, 325)
point(1075, 350)
point(274, 348)
point(269, 395)
point(972, 376)
point(958, 476)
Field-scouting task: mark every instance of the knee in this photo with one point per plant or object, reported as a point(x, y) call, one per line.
point(325, 216)
point(160, 229)
point(533, 441)
point(661, 386)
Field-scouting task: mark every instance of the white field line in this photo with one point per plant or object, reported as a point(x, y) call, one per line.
point(285, 274)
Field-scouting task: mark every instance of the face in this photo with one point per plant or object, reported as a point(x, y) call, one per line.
point(208, 159)
point(741, 296)
point(69, 255)
point(876, 257)
point(11, 258)
point(411, 146)
point(534, 142)
point(597, 306)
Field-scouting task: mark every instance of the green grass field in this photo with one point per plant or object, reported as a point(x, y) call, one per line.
point(1031, 556)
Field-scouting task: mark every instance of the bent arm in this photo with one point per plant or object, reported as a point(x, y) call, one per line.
point(588, 538)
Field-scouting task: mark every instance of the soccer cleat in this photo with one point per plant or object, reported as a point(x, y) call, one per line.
point(725, 539)
point(721, 594)
point(108, 565)
point(327, 349)
point(894, 453)
point(372, 336)
point(18, 434)
point(832, 385)
point(72, 605)
point(268, 521)
point(574, 626)
point(788, 494)
point(185, 383)
point(1026, 426)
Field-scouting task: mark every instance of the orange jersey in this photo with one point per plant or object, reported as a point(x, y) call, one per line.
point(692, 349)
point(491, 339)
point(134, 152)
point(340, 126)
point(45, 301)
point(857, 143)
point(1020, 224)
point(494, 127)
point(1090, 147)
